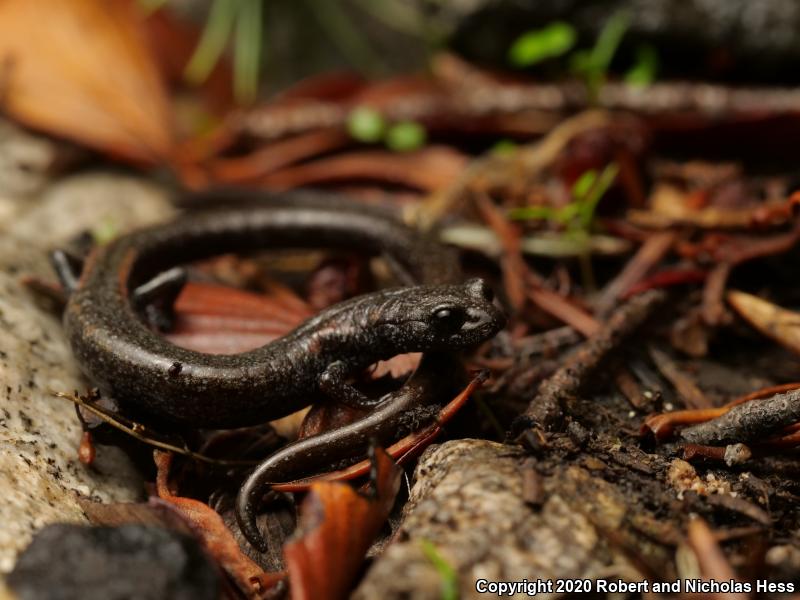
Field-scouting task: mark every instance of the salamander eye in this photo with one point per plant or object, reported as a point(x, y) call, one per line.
point(449, 318)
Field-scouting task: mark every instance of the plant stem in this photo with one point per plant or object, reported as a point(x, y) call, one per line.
point(247, 50)
point(351, 42)
point(212, 43)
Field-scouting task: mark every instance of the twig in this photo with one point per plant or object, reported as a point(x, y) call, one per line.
point(747, 422)
point(686, 388)
point(712, 561)
point(546, 408)
point(649, 254)
point(139, 432)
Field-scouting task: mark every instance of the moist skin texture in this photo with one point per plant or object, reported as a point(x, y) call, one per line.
point(143, 371)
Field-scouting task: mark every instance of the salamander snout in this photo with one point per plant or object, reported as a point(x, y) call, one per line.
point(482, 317)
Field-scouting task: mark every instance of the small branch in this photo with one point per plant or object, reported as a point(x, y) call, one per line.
point(546, 408)
point(747, 422)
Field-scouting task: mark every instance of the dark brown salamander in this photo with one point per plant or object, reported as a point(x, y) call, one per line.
point(142, 370)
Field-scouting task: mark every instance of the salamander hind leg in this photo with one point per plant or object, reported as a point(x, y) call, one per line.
point(68, 268)
point(156, 298)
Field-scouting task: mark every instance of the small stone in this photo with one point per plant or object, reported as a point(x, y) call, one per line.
point(109, 563)
point(736, 454)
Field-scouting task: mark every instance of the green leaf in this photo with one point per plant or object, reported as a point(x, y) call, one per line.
point(589, 202)
point(583, 184)
point(609, 39)
point(644, 71)
point(504, 147)
point(445, 570)
point(366, 124)
point(105, 231)
point(533, 47)
point(524, 213)
point(405, 136)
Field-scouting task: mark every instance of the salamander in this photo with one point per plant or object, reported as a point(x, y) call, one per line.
point(142, 370)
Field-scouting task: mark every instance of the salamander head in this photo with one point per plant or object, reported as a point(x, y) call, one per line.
point(441, 317)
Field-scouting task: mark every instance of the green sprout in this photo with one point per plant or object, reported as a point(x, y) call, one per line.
point(366, 124)
point(504, 147)
point(105, 231)
point(538, 45)
point(593, 64)
point(577, 217)
point(645, 69)
point(405, 136)
point(445, 570)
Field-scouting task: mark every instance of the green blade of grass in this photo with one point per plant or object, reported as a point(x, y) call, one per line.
point(351, 42)
point(645, 70)
point(212, 41)
point(609, 39)
point(592, 198)
point(444, 568)
point(247, 50)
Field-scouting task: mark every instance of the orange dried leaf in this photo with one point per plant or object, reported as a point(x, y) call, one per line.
point(775, 322)
point(80, 69)
point(336, 528)
point(216, 537)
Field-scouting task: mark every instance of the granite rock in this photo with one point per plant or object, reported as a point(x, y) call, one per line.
point(467, 502)
point(40, 474)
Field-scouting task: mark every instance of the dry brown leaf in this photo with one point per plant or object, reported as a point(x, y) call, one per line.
point(336, 528)
point(251, 579)
point(432, 168)
point(670, 206)
point(278, 155)
point(80, 69)
point(780, 324)
point(225, 320)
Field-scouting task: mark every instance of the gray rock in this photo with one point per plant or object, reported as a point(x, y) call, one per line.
point(39, 471)
point(94, 201)
point(66, 562)
point(467, 501)
point(26, 159)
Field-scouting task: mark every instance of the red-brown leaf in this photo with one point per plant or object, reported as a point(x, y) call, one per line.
point(336, 528)
point(216, 537)
point(431, 168)
point(225, 320)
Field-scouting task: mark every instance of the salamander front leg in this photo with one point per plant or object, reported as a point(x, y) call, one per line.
point(333, 383)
